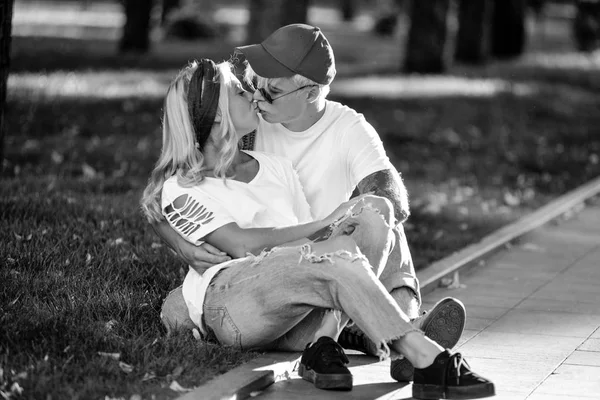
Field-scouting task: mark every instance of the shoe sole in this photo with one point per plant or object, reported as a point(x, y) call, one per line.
point(326, 381)
point(434, 392)
point(444, 324)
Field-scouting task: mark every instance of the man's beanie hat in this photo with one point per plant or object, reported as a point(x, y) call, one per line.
point(293, 49)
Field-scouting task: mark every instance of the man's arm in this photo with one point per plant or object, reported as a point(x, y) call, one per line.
point(387, 183)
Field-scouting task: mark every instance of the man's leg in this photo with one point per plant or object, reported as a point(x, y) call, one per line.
point(446, 320)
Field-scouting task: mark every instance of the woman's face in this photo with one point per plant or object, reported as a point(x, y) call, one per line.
point(243, 111)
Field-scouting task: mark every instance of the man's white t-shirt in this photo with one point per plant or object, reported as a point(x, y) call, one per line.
point(331, 157)
point(274, 198)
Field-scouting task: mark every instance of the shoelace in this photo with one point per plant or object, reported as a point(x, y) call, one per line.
point(458, 362)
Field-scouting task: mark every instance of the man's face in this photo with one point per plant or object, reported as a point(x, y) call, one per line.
point(286, 106)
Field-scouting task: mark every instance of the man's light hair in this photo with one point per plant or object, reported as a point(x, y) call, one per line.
point(254, 80)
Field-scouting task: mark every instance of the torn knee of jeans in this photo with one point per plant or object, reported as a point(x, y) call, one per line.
point(257, 259)
point(356, 210)
point(308, 254)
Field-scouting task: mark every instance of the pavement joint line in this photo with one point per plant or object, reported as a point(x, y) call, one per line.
point(244, 381)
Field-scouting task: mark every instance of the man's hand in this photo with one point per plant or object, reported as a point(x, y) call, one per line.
point(201, 257)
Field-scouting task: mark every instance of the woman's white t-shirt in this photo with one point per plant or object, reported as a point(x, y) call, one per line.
point(274, 198)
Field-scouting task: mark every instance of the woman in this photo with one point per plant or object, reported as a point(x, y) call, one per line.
point(281, 298)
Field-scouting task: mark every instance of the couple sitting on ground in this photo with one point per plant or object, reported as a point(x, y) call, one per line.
point(306, 261)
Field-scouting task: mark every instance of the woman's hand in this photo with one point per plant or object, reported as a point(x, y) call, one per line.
point(201, 257)
point(342, 210)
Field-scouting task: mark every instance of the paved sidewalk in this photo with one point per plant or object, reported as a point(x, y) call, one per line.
point(533, 323)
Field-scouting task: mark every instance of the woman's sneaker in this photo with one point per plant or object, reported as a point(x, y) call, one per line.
point(450, 377)
point(324, 364)
point(444, 324)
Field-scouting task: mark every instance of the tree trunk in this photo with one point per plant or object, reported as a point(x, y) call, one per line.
point(508, 28)
point(473, 38)
point(425, 49)
point(266, 16)
point(136, 31)
point(348, 9)
point(6, 12)
point(167, 7)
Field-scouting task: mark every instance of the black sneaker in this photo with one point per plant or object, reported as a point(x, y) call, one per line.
point(324, 364)
point(450, 377)
point(353, 338)
point(444, 324)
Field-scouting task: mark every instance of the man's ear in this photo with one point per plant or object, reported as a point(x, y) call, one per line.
point(313, 94)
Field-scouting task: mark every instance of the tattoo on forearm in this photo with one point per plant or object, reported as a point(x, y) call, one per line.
point(386, 184)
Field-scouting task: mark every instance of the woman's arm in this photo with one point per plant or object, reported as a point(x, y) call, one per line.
point(238, 242)
point(198, 257)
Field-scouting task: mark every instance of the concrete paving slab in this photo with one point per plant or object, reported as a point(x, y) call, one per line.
point(567, 290)
point(467, 335)
point(588, 358)
point(596, 334)
point(553, 305)
point(518, 346)
point(548, 396)
point(511, 375)
point(547, 323)
point(478, 324)
point(559, 385)
point(469, 299)
point(477, 311)
point(590, 345)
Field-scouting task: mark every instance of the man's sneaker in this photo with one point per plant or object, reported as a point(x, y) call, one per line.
point(353, 338)
point(444, 324)
point(324, 364)
point(450, 377)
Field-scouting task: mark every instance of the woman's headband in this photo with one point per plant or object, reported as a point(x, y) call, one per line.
point(203, 101)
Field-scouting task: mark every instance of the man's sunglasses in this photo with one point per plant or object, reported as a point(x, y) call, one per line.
point(270, 99)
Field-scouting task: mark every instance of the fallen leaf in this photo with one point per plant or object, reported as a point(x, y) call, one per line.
point(178, 388)
point(15, 388)
point(125, 367)
point(511, 200)
point(56, 157)
point(88, 171)
point(114, 356)
point(156, 246)
point(148, 376)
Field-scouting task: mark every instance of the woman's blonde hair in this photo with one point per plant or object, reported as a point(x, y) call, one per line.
point(180, 154)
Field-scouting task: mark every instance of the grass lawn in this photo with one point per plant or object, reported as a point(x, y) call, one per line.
point(84, 275)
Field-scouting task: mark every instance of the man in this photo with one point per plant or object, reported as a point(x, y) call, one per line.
point(336, 153)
